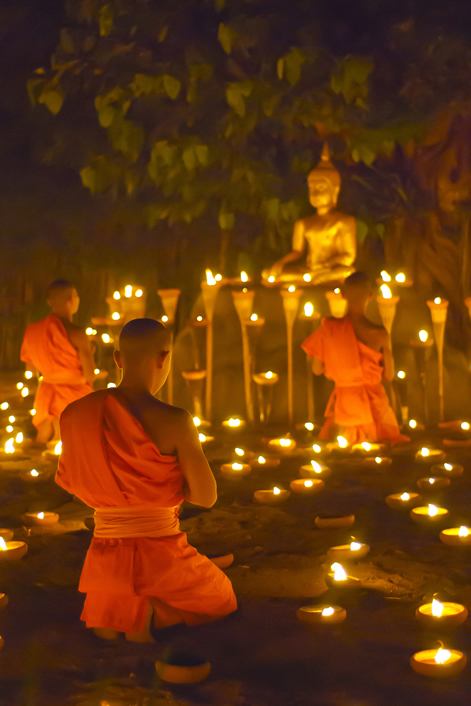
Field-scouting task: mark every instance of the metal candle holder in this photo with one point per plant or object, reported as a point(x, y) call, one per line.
point(438, 310)
point(243, 302)
point(310, 325)
point(169, 299)
point(209, 291)
point(422, 351)
point(290, 306)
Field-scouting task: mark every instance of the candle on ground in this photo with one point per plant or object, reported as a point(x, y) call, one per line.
point(455, 536)
point(442, 616)
point(428, 514)
point(339, 578)
point(321, 614)
point(314, 470)
point(438, 662)
point(235, 470)
point(308, 487)
point(377, 461)
point(10, 551)
point(264, 462)
point(6, 534)
point(403, 501)
point(271, 497)
point(348, 552)
point(233, 424)
point(334, 521)
point(40, 518)
point(426, 455)
point(451, 470)
point(283, 445)
point(433, 483)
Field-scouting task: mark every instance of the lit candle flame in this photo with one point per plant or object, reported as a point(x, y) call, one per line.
point(196, 421)
point(423, 335)
point(355, 546)
point(292, 288)
point(365, 445)
point(308, 483)
point(3, 545)
point(285, 442)
point(210, 279)
point(309, 426)
point(465, 426)
point(308, 309)
point(34, 473)
point(339, 572)
point(218, 278)
point(463, 531)
point(271, 279)
point(201, 437)
point(276, 491)
point(239, 452)
point(307, 277)
point(424, 452)
point(234, 422)
point(316, 448)
point(9, 447)
point(385, 276)
point(432, 510)
point(401, 374)
point(448, 466)
point(316, 467)
point(116, 295)
point(165, 318)
point(111, 384)
point(41, 515)
point(105, 337)
point(19, 385)
point(9, 428)
point(97, 371)
point(405, 496)
point(138, 293)
point(385, 291)
point(28, 374)
point(237, 466)
point(4, 406)
point(400, 277)
point(254, 317)
point(337, 290)
point(261, 460)
point(328, 611)
point(199, 318)
point(342, 442)
point(58, 448)
point(431, 481)
point(378, 459)
point(19, 438)
point(115, 316)
point(269, 375)
point(25, 392)
point(437, 300)
point(32, 412)
point(244, 277)
point(412, 423)
point(128, 291)
point(442, 656)
point(437, 608)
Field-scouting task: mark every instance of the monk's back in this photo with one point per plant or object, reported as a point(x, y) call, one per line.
point(368, 333)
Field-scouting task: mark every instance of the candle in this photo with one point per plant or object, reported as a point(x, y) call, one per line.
point(283, 445)
point(403, 501)
point(235, 470)
point(426, 455)
point(4, 406)
point(339, 578)
point(264, 462)
point(428, 514)
point(205, 439)
point(243, 453)
point(367, 448)
point(438, 663)
point(10, 551)
point(400, 278)
point(40, 518)
point(244, 277)
point(341, 444)
point(6, 534)
point(234, 423)
point(348, 552)
point(442, 616)
point(268, 378)
point(377, 461)
point(455, 536)
point(334, 521)
point(433, 483)
point(451, 470)
point(314, 470)
point(34, 475)
point(385, 276)
point(306, 487)
point(321, 614)
point(271, 497)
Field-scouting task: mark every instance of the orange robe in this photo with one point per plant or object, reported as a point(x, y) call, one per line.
point(111, 464)
point(359, 405)
point(47, 347)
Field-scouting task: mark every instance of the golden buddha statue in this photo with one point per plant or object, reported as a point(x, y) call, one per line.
point(330, 235)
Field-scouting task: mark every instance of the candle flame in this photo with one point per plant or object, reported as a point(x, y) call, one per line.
point(285, 442)
point(234, 422)
point(365, 445)
point(442, 656)
point(276, 491)
point(4, 406)
point(355, 546)
point(240, 452)
point(105, 337)
point(9, 428)
point(385, 276)
point(328, 611)
point(424, 452)
point(431, 481)
point(316, 448)
point(41, 515)
point(308, 484)
point(244, 277)
point(32, 412)
point(165, 318)
point(437, 608)
point(115, 316)
point(463, 531)
point(307, 277)
point(448, 466)
point(19, 385)
point(423, 335)
point(337, 290)
point(308, 309)
point(116, 295)
point(34, 473)
point(316, 467)
point(400, 277)
point(28, 374)
point(292, 288)
point(138, 293)
point(385, 291)
point(437, 300)
point(111, 384)
point(3, 545)
point(196, 421)
point(378, 459)
point(254, 317)
point(432, 510)
point(237, 466)
point(261, 460)
point(412, 423)
point(401, 374)
point(201, 437)
point(342, 442)
point(339, 572)
point(271, 279)
point(210, 279)
point(9, 447)
point(19, 438)
point(218, 278)
point(58, 448)
point(199, 318)
point(405, 496)
point(269, 375)
point(25, 392)
point(465, 426)
point(128, 291)
point(309, 426)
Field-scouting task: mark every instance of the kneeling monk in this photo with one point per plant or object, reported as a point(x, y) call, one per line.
point(135, 459)
point(61, 352)
point(355, 354)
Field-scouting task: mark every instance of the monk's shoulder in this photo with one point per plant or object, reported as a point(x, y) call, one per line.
point(75, 333)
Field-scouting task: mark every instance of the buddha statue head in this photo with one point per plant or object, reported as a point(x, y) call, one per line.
point(324, 183)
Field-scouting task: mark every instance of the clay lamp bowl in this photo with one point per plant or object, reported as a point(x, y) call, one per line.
point(428, 514)
point(222, 562)
point(275, 496)
point(317, 449)
point(199, 322)
point(236, 469)
point(441, 616)
point(315, 469)
point(414, 425)
point(426, 455)
point(433, 483)
point(321, 614)
point(182, 668)
point(455, 536)
point(340, 446)
point(438, 663)
point(3, 601)
point(283, 445)
point(334, 521)
point(6, 534)
point(377, 462)
point(204, 439)
point(348, 552)
point(460, 436)
point(309, 486)
point(34, 475)
point(338, 578)
point(233, 424)
point(449, 470)
point(40, 518)
point(11, 452)
point(368, 449)
point(403, 501)
point(11, 551)
point(264, 462)
point(402, 280)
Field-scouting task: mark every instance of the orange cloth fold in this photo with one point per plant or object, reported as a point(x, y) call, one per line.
point(111, 464)
point(47, 347)
point(359, 405)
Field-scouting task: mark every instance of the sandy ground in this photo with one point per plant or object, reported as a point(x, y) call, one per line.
point(261, 655)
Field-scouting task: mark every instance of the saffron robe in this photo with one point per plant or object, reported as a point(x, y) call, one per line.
point(359, 405)
point(47, 347)
point(111, 464)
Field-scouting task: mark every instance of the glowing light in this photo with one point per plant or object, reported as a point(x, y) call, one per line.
point(337, 290)
point(239, 452)
point(437, 300)
point(308, 484)
point(32, 412)
point(355, 546)
point(465, 426)
point(342, 442)
point(237, 466)
point(116, 295)
point(19, 438)
point(365, 445)
point(308, 309)
point(97, 371)
point(448, 466)
point(111, 384)
point(12, 419)
point(339, 572)
point(432, 510)
point(285, 443)
point(199, 318)
point(292, 288)
point(328, 611)
point(385, 291)
point(9, 447)
point(165, 318)
point(276, 491)
point(463, 531)
point(400, 277)
point(401, 374)
point(128, 291)
point(442, 656)
point(437, 608)
point(201, 437)
point(245, 290)
point(41, 515)
point(378, 459)
point(316, 448)
point(138, 293)
point(269, 375)
point(9, 428)
point(254, 317)
point(316, 467)
point(307, 277)
point(412, 423)
point(210, 279)
point(196, 421)
point(423, 335)
point(34, 473)
point(218, 278)
point(234, 422)
point(4, 406)
point(244, 277)
point(261, 460)
point(115, 316)
point(25, 392)
point(424, 452)
point(88, 331)
point(385, 276)
point(19, 385)
point(405, 497)
point(3, 545)
point(28, 374)
point(309, 426)
point(431, 481)
point(271, 279)
point(58, 448)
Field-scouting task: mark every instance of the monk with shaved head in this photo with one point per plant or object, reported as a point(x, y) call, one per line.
point(60, 351)
point(135, 459)
point(355, 353)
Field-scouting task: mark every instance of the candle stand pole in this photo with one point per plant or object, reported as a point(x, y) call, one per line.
point(422, 351)
point(290, 306)
point(243, 302)
point(438, 311)
point(310, 325)
point(209, 292)
point(387, 310)
point(169, 299)
point(265, 394)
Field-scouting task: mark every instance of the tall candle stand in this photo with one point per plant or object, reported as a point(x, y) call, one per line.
point(209, 290)
point(400, 384)
point(337, 304)
point(387, 305)
point(438, 310)
point(169, 298)
point(195, 381)
point(311, 319)
point(291, 297)
point(265, 383)
point(422, 348)
point(243, 302)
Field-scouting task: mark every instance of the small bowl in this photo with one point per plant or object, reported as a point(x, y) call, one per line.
point(420, 514)
point(334, 522)
point(312, 615)
point(451, 537)
point(14, 551)
point(268, 497)
point(453, 472)
point(396, 503)
point(424, 663)
point(183, 669)
point(458, 614)
point(6, 534)
point(343, 553)
point(222, 562)
point(307, 471)
point(438, 483)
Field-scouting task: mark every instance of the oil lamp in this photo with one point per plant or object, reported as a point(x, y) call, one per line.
point(264, 462)
point(271, 497)
point(306, 486)
point(348, 552)
point(11, 551)
point(235, 470)
point(456, 536)
point(438, 663)
point(441, 616)
point(403, 501)
point(433, 483)
point(314, 470)
point(428, 514)
point(321, 614)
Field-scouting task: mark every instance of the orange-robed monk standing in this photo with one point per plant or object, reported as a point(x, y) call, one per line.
point(135, 459)
point(61, 352)
point(354, 353)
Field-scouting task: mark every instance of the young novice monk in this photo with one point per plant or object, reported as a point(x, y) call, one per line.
point(355, 354)
point(61, 352)
point(135, 459)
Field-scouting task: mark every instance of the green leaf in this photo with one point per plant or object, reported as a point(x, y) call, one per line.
point(106, 115)
point(106, 20)
point(293, 64)
point(226, 220)
point(202, 152)
point(189, 158)
point(236, 100)
point(225, 37)
point(52, 99)
point(172, 86)
point(272, 207)
point(362, 230)
point(280, 68)
point(66, 41)
point(89, 178)
point(163, 33)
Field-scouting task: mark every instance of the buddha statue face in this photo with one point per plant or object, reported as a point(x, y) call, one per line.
point(323, 193)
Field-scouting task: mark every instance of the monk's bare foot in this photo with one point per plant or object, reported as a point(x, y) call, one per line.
point(106, 634)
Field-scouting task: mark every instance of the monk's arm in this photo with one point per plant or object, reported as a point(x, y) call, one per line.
point(346, 243)
point(318, 367)
point(81, 343)
point(200, 484)
point(295, 253)
point(388, 360)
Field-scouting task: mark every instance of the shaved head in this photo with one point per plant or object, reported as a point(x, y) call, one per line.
point(60, 291)
point(141, 339)
point(357, 288)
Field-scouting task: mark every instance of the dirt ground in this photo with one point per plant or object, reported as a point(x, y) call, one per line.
point(261, 655)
